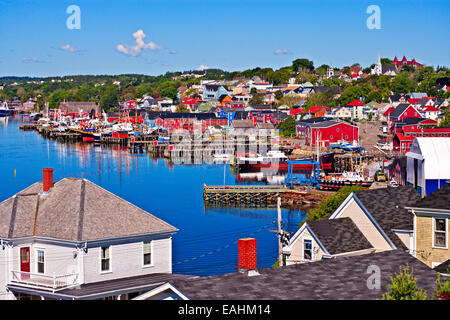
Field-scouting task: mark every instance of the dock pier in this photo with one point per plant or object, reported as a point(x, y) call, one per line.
point(242, 196)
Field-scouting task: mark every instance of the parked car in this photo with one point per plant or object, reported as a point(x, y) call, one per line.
point(380, 176)
point(393, 184)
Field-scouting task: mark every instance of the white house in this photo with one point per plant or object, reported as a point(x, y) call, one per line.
point(76, 240)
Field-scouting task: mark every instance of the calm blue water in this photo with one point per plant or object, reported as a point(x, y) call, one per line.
point(207, 241)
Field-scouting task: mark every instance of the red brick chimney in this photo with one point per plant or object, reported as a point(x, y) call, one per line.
point(47, 179)
point(247, 254)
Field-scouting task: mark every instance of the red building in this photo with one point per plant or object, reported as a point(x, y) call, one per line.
point(402, 141)
point(189, 121)
point(329, 132)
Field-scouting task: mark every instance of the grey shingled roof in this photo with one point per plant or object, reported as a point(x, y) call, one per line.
point(242, 124)
point(439, 199)
point(343, 278)
point(339, 235)
point(399, 109)
point(386, 205)
point(443, 267)
point(99, 289)
point(76, 210)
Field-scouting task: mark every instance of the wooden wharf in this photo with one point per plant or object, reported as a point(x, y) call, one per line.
point(28, 126)
point(242, 196)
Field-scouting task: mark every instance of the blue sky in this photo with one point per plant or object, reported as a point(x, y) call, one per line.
point(227, 34)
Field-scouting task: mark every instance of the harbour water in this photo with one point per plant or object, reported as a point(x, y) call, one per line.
point(207, 241)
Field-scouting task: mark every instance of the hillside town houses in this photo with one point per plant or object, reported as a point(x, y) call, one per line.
point(104, 247)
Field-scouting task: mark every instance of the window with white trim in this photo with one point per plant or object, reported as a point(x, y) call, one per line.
point(307, 249)
point(440, 233)
point(105, 258)
point(147, 253)
point(40, 261)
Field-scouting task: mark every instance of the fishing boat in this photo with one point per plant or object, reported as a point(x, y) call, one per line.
point(347, 178)
point(278, 160)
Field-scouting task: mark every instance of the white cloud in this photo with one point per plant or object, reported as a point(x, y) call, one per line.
point(68, 48)
point(173, 51)
point(140, 45)
point(281, 51)
point(202, 68)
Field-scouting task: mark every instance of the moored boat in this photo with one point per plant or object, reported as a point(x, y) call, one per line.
point(347, 178)
point(278, 160)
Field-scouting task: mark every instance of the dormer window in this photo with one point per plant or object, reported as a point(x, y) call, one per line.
point(307, 249)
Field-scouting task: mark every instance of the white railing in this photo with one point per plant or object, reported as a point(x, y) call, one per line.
point(42, 281)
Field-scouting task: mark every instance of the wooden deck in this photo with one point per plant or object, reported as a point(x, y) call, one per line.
point(242, 196)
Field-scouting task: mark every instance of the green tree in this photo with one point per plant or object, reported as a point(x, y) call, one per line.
point(330, 204)
point(385, 61)
point(256, 99)
point(403, 83)
point(404, 287)
point(287, 127)
point(350, 94)
point(169, 92)
point(322, 70)
point(302, 63)
point(443, 290)
point(279, 95)
point(280, 76)
point(445, 122)
point(290, 100)
point(181, 108)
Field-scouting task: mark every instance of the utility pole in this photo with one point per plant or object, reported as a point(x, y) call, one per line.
point(281, 234)
point(280, 245)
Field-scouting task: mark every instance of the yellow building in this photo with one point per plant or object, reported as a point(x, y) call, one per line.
point(431, 227)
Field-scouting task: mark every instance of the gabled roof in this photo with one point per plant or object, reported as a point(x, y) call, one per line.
point(262, 125)
point(439, 199)
point(329, 123)
point(339, 235)
point(330, 279)
point(386, 206)
point(356, 103)
point(398, 111)
point(443, 267)
point(75, 209)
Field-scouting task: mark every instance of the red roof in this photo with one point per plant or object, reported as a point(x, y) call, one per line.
point(426, 130)
point(413, 100)
point(389, 111)
point(402, 137)
point(295, 111)
point(356, 103)
point(191, 101)
point(428, 121)
point(314, 109)
point(431, 109)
